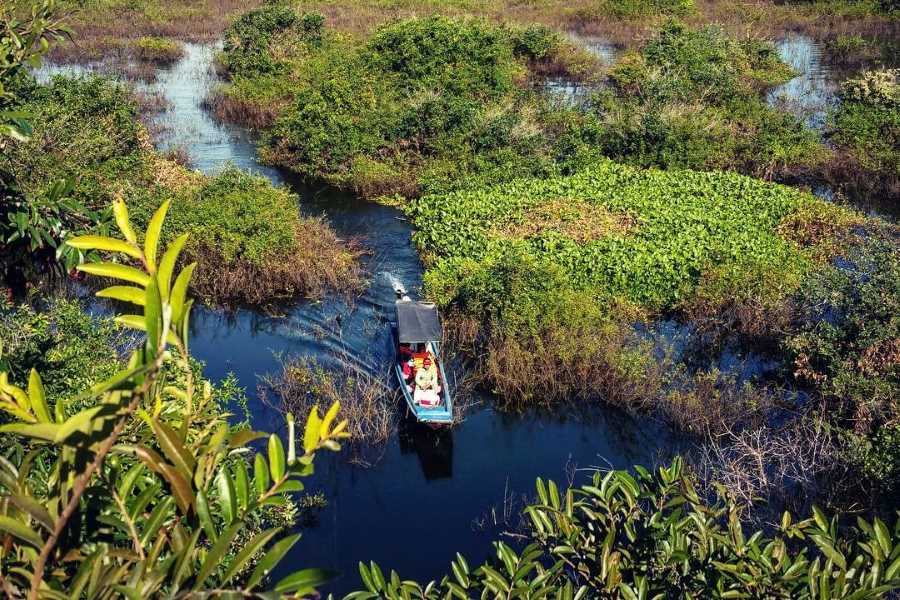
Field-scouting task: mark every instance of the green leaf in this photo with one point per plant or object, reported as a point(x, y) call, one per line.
point(227, 501)
point(173, 448)
point(156, 518)
point(216, 553)
point(304, 582)
point(241, 485)
point(883, 536)
point(202, 506)
point(107, 244)
point(271, 560)
point(151, 240)
point(184, 493)
point(20, 530)
point(248, 552)
point(276, 457)
point(81, 421)
point(153, 320)
point(120, 211)
point(138, 322)
point(167, 265)
point(260, 474)
point(179, 293)
point(124, 293)
point(311, 433)
point(41, 431)
point(116, 271)
point(34, 508)
point(38, 397)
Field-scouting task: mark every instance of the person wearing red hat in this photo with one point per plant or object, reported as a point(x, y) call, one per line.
point(427, 386)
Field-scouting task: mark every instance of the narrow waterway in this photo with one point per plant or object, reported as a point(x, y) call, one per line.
point(429, 494)
point(811, 93)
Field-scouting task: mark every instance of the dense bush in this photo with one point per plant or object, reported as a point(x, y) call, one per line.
point(266, 251)
point(866, 130)
point(423, 103)
point(86, 133)
point(71, 350)
point(691, 99)
point(651, 535)
point(846, 343)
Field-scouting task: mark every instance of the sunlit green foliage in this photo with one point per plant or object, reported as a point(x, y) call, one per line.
point(651, 535)
point(71, 350)
point(866, 126)
point(147, 488)
point(677, 224)
point(421, 100)
point(692, 99)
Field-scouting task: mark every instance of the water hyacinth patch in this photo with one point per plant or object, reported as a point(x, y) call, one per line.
point(681, 223)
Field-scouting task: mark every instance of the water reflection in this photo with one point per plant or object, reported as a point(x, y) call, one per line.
point(812, 92)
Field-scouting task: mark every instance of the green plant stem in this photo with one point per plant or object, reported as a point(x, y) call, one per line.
point(77, 492)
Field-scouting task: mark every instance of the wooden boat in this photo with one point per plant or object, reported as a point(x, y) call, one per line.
point(417, 335)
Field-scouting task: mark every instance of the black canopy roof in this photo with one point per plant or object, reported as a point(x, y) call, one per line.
point(417, 322)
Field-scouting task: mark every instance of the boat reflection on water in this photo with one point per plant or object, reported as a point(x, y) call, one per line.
point(433, 446)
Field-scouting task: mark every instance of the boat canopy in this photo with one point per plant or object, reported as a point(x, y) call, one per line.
point(417, 322)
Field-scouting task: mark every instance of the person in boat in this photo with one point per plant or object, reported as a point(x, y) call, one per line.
point(428, 388)
point(406, 362)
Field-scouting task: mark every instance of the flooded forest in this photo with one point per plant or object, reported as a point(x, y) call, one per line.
point(651, 247)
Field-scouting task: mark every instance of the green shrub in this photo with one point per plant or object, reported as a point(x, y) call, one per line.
point(419, 95)
point(650, 534)
point(159, 50)
point(866, 127)
point(691, 99)
point(632, 9)
point(72, 350)
point(846, 345)
point(86, 130)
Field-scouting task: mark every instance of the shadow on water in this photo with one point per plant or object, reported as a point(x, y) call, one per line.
point(415, 508)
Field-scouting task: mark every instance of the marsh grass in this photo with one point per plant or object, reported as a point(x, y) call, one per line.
point(369, 401)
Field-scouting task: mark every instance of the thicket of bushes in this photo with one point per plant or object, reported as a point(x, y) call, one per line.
point(426, 105)
point(866, 130)
point(86, 132)
point(421, 100)
point(544, 280)
point(691, 98)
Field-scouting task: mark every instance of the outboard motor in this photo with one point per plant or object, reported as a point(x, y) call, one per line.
point(399, 290)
